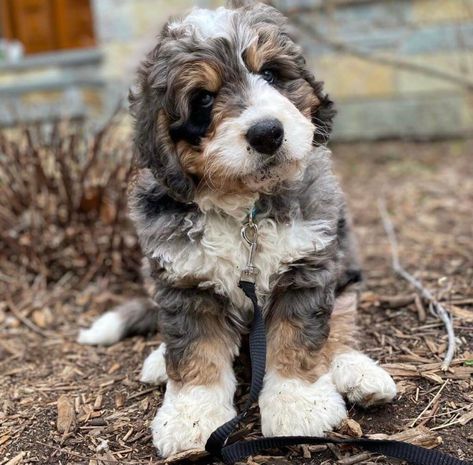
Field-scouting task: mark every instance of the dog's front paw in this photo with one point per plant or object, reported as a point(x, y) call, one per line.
point(362, 380)
point(292, 407)
point(188, 417)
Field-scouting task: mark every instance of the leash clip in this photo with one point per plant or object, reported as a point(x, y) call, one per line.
point(249, 233)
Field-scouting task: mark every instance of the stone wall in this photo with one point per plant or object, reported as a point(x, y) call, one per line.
point(126, 29)
point(376, 100)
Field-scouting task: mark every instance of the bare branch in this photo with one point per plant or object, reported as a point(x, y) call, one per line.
point(436, 308)
point(29, 324)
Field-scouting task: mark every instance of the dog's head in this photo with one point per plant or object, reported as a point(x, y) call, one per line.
point(225, 102)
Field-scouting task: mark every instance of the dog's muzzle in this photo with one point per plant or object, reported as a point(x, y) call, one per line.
point(266, 136)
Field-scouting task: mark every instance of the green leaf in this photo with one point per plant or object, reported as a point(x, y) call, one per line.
point(469, 363)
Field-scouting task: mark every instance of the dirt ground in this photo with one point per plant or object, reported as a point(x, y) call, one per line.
point(429, 192)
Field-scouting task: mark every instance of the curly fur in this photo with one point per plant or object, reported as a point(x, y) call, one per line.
point(212, 76)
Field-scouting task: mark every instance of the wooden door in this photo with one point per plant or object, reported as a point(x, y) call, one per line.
point(32, 24)
point(5, 21)
point(74, 24)
point(47, 25)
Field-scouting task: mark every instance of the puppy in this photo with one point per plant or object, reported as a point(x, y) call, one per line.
point(228, 121)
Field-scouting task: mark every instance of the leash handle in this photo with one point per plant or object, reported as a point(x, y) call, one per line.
point(216, 444)
point(415, 455)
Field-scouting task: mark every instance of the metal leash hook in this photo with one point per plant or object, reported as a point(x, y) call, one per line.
point(249, 233)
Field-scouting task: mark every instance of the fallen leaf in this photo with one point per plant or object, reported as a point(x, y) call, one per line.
point(351, 428)
point(42, 318)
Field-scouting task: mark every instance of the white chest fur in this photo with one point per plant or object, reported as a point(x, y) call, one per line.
point(218, 256)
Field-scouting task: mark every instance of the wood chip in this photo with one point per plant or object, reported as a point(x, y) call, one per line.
point(306, 452)
point(401, 369)
point(144, 404)
point(263, 458)
point(77, 403)
point(355, 459)
point(461, 313)
point(115, 367)
point(460, 373)
point(66, 416)
point(119, 399)
point(432, 377)
point(192, 454)
point(98, 402)
point(335, 451)
point(465, 418)
point(97, 422)
point(419, 436)
point(17, 459)
point(5, 438)
point(317, 448)
point(396, 301)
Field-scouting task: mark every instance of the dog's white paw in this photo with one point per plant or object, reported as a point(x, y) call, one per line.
point(189, 415)
point(362, 380)
point(292, 407)
point(106, 330)
point(154, 367)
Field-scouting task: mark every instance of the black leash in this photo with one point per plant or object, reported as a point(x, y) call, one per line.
point(217, 443)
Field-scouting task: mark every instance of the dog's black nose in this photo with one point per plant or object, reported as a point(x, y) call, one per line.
point(266, 136)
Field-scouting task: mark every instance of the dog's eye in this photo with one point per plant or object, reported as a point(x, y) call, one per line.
point(268, 75)
point(204, 100)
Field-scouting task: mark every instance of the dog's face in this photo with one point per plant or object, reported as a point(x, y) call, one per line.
point(225, 102)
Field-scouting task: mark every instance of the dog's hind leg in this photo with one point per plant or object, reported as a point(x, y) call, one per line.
point(137, 316)
point(354, 374)
point(361, 379)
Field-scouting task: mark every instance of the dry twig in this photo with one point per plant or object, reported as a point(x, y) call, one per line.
point(429, 404)
point(29, 324)
point(436, 308)
point(383, 59)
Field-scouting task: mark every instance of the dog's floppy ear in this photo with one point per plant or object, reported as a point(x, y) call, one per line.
point(154, 148)
point(324, 113)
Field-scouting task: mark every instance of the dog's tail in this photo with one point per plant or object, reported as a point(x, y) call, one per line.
point(137, 316)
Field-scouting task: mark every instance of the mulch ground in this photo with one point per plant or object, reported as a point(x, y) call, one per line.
point(105, 412)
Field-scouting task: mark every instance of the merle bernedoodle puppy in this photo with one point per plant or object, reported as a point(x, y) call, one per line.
point(229, 121)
